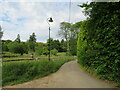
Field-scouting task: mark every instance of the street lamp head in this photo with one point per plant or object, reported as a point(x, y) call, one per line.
point(50, 20)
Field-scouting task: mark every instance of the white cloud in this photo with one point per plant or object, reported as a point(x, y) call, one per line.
point(28, 17)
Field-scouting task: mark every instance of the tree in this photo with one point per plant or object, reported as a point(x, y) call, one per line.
point(18, 39)
point(54, 44)
point(64, 30)
point(63, 45)
point(70, 33)
point(16, 47)
point(32, 42)
point(65, 33)
point(75, 29)
point(57, 45)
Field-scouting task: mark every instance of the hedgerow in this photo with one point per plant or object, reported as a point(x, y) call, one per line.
point(99, 40)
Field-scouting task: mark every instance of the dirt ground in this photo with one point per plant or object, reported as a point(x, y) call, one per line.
point(68, 76)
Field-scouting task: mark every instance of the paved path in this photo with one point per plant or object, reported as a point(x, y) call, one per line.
point(68, 76)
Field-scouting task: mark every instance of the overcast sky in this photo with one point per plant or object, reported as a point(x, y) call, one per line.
point(24, 18)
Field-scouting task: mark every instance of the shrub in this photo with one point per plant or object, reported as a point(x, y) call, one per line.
point(54, 52)
point(39, 50)
point(16, 47)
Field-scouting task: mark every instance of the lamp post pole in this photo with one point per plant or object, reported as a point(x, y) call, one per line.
point(49, 43)
point(50, 20)
point(1, 34)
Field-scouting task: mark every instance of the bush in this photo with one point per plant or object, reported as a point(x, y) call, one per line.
point(54, 52)
point(45, 51)
point(39, 50)
point(5, 47)
point(16, 47)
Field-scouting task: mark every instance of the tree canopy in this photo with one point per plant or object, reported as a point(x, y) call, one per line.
point(32, 42)
point(18, 39)
point(16, 47)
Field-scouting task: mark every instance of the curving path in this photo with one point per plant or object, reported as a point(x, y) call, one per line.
point(68, 76)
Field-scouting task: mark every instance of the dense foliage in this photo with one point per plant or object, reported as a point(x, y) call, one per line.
point(16, 47)
point(99, 40)
point(54, 52)
point(31, 47)
point(39, 49)
point(69, 32)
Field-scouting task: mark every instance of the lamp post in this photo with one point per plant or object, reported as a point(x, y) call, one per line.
point(1, 34)
point(49, 20)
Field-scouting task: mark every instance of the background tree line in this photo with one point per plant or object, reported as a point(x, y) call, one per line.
point(32, 47)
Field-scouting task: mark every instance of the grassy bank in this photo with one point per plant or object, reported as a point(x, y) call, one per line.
point(22, 71)
point(94, 73)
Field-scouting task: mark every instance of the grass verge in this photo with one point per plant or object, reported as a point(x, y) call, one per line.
point(22, 71)
point(93, 73)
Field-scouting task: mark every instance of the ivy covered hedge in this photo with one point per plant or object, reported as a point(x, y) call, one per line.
point(99, 40)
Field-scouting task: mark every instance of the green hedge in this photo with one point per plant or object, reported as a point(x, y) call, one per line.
point(99, 40)
point(18, 72)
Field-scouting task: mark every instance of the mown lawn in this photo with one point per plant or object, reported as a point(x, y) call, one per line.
point(13, 56)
